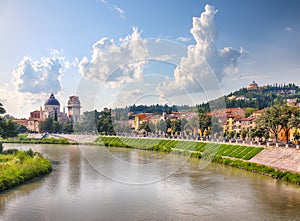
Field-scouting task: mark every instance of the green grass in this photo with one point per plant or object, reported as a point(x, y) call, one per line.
point(166, 145)
point(17, 167)
point(26, 140)
point(261, 169)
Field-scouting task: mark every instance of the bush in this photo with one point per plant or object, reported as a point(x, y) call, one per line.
point(21, 166)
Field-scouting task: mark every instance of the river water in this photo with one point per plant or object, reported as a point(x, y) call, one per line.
point(87, 184)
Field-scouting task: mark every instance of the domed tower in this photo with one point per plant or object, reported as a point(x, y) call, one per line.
point(74, 108)
point(52, 105)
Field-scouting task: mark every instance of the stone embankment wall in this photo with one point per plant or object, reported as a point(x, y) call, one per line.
point(279, 158)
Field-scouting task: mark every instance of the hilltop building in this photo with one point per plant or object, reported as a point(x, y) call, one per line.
point(253, 86)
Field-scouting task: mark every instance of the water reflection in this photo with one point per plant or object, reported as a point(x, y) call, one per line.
point(75, 190)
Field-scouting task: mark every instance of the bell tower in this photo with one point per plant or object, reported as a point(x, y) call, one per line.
point(74, 108)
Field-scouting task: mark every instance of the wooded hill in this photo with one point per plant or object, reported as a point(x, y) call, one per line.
point(265, 96)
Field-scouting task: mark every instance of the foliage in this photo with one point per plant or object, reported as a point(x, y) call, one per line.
point(17, 167)
point(38, 141)
point(264, 97)
point(7, 127)
point(249, 111)
point(279, 117)
point(258, 168)
point(52, 126)
point(205, 122)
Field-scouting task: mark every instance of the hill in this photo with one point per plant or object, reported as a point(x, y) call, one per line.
point(259, 97)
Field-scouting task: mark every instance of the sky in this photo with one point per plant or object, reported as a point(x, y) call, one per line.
point(113, 53)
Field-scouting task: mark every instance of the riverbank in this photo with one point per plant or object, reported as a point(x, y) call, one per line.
point(18, 167)
point(26, 140)
point(226, 154)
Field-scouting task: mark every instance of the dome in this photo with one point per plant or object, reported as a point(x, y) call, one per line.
point(52, 101)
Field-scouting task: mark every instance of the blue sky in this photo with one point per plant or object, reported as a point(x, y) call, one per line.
point(47, 46)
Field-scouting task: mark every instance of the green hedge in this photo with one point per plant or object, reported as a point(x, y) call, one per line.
point(17, 167)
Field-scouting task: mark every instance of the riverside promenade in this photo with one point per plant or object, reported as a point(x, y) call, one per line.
point(286, 159)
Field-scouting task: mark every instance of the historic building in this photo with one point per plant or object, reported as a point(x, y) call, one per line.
point(52, 109)
point(253, 86)
point(74, 108)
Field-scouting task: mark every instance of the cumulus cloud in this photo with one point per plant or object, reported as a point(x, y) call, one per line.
point(42, 76)
point(116, 63)
point(205, 65)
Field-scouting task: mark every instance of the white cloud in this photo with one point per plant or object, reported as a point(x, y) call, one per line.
point(39, 76)
point(119, 11)
point(289, 29)
point(204, 66)
point(184, 39)
point(115, 64)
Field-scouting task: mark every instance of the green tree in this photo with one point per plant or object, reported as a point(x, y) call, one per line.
point(104, 123)
point(249, 111)
point(146, 127)
point(47, 125)
point(55, 116)
point(7, 127)
point(205, 122)
point(244, 134)
point(2, 110)
point(270, 120)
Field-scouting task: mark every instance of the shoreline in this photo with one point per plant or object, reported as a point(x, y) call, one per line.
point(260, 161)
point(20, 167)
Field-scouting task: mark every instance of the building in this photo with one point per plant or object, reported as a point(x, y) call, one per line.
point(253, 86)
point(52, 109)
point(74, 108)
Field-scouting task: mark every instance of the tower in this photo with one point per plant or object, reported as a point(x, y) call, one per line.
point(74, 108)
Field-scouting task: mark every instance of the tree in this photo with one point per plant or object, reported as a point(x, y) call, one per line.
point(55, 116)
point(2, 110)
point(162, 126)
point(145, 126)
point(244, 134)
point(176, 126)
point(205, 123)
point(7, 127)
point(280, 118)
point(270, 119)
point(47, 125)
point(249, 111)
point(104, 123)
point(193, 125)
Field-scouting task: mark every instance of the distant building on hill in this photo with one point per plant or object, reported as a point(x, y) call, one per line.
point(253, 86)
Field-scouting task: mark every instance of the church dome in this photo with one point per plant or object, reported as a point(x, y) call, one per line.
point(52, 101)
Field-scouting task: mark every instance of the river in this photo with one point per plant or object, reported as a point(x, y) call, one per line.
point(88, 184)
